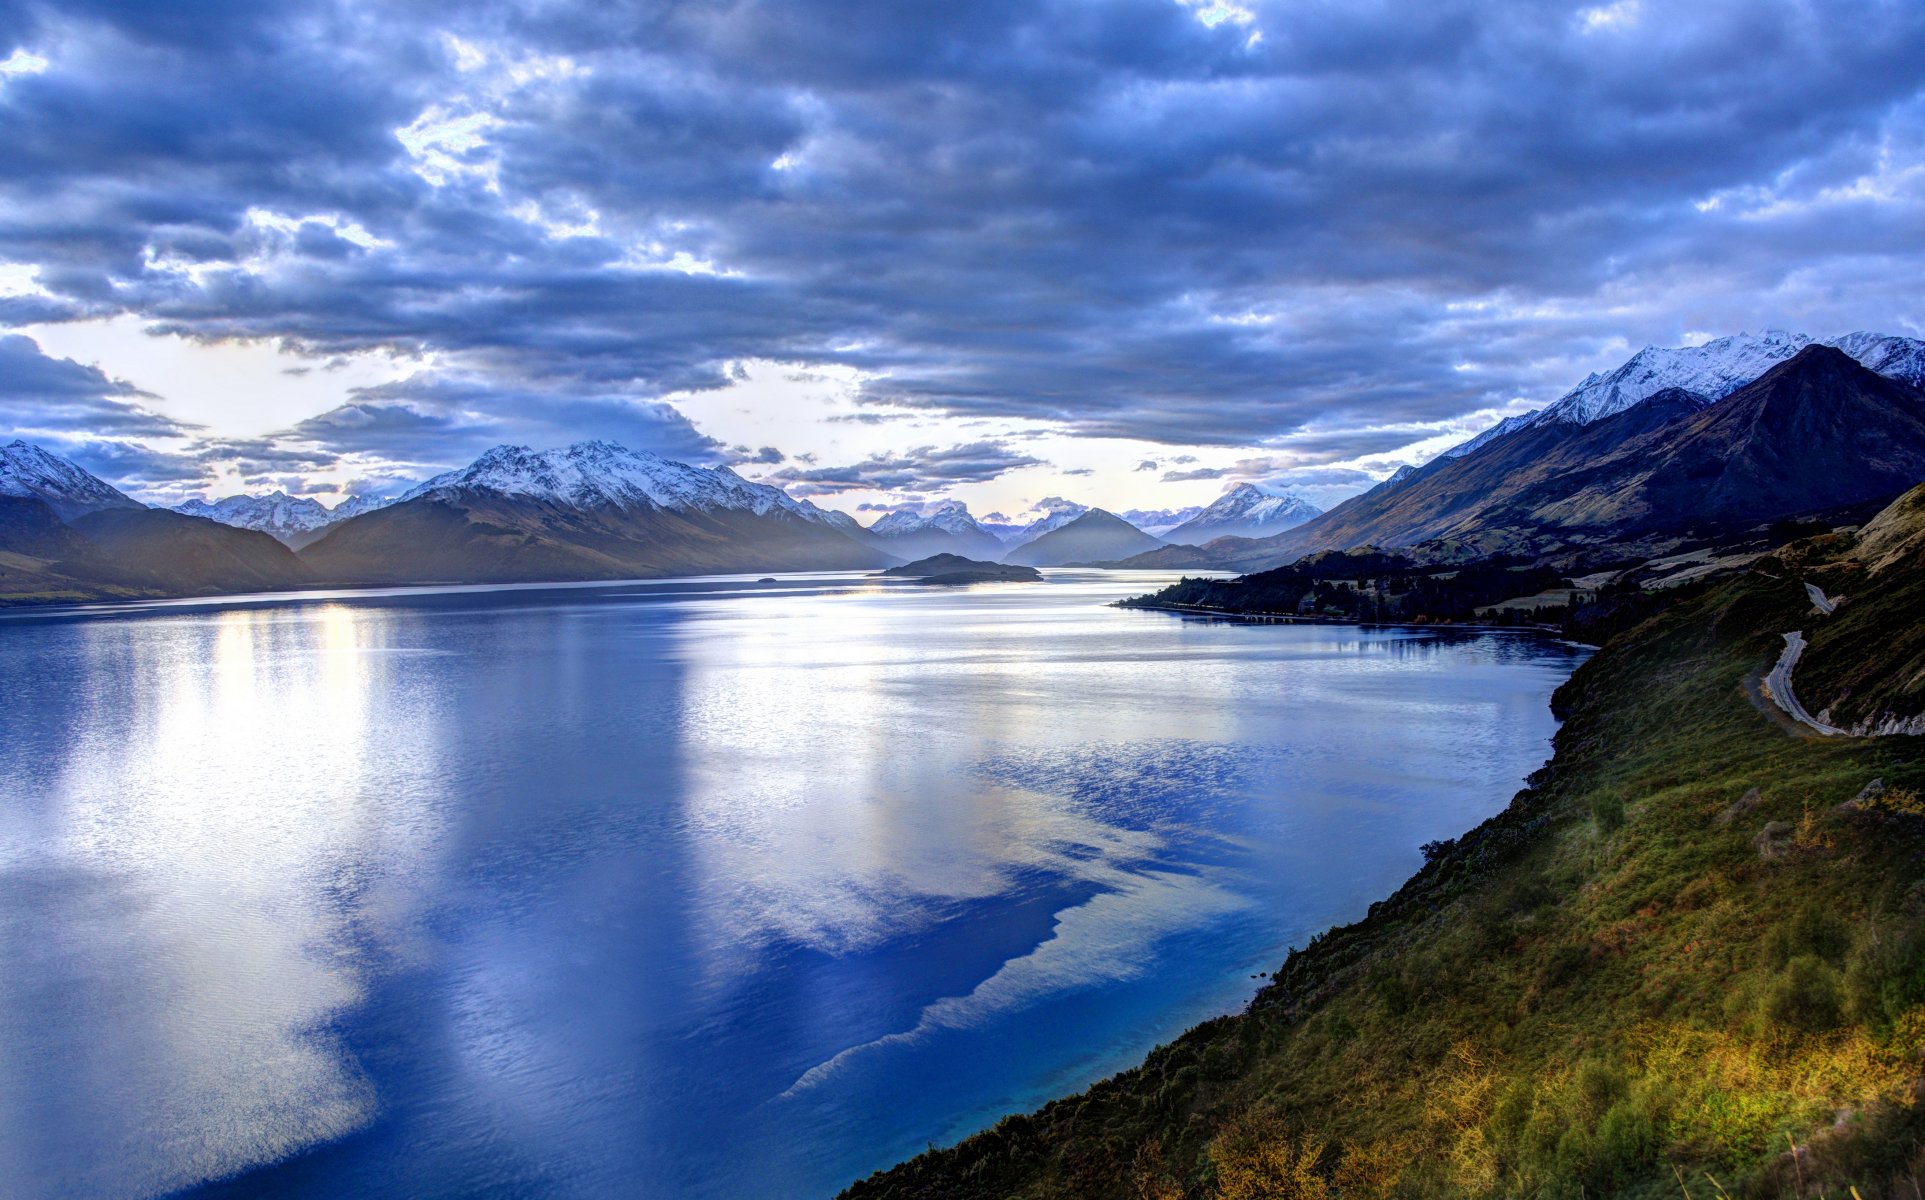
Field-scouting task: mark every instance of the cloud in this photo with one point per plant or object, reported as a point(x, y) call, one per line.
point(1147, 465)
point(1138, 220)
point(925, 468)
point(1195, 473)
point(44, 395)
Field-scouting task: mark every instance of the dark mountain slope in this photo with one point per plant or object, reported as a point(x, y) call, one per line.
point(182, 555)
point(1816, 432)
point(481, 536)
point(1095, 537)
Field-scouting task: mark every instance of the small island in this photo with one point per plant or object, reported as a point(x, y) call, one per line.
point(952, 570)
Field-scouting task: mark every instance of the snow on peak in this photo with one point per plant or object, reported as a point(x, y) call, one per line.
point(1248, 510)
point(276, 513)
point(1715, 369)
point(604, 474)
point(1158, 521)
point(950, 516)
point(28, 471)
point(1507, 425)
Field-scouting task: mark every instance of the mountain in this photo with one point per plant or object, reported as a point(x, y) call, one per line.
point(1899, 358)
point(1718, 368)
point(1507, 425)
point(1057, 512)
point(293, 522)
point(185, 555)
point(1398, 477)
point(1246, 510)
point(593, 510)
point(355, 505)
point(1093, 537)
point(1818, 431)
point(1159, 521)
point(946, 529)
point(27, 470)
point(66, 535)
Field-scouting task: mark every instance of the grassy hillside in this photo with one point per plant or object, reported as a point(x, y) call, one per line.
point(1674, 966)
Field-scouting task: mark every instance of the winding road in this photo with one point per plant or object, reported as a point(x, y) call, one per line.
point(1778, 682)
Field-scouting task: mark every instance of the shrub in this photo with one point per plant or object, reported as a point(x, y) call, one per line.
point(1608, 809)
point(1806, 996)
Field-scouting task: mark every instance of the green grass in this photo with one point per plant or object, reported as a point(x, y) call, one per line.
point(1608, 989)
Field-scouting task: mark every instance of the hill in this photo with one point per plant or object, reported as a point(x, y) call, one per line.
point(1686, 960)
point(953, 569)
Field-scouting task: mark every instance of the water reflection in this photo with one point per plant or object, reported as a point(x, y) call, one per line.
point(692, 889)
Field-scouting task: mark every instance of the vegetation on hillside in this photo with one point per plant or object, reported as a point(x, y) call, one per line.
point(1365, 585)
point(1688, 960)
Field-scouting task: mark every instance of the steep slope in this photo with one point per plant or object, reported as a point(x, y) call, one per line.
point(1094, 537)
point(1714, 369)
point(1817, 431)
point(946, 529)
point(1864, 668)
point(1246, 510)
point(1675, 965)
point(28, 471)
point(44, 560)
point(183, 555)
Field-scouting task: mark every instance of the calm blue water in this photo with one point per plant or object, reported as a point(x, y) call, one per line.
point(693, 889)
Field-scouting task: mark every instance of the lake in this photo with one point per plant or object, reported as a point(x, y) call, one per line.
point(696, 888)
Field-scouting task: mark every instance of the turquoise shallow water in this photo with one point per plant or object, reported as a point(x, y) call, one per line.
point(690, 889)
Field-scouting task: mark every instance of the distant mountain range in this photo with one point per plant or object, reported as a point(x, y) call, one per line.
point(1673, 445)
point(946, 529)
point(295, 522)
point(1246, 510)
point(1093, 537)
point(593, 510)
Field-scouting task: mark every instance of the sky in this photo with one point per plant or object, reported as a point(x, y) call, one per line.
point(1130, 253)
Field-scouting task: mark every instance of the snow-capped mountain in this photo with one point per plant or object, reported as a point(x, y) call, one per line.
point(593, 510)
point(1713, 370)
point(294, 521)
point(1720, 367)
point(276, 513)
point(945, 529)
point(1159, 521)
point(1899, 358)
point(1507, 425)
point(355, 505)
point(603, 474)
point(1057, 512)
point(27, 470)
point(1398, 477)
point(1246, 510)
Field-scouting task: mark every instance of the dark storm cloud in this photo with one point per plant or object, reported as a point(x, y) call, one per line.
point(925, 468)
point(58, 396)
point(1109, 216)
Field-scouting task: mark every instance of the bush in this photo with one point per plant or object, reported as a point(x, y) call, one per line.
point(1608, 809)
point(1805, 995)
point(1885, 975)
point(1812, 930)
